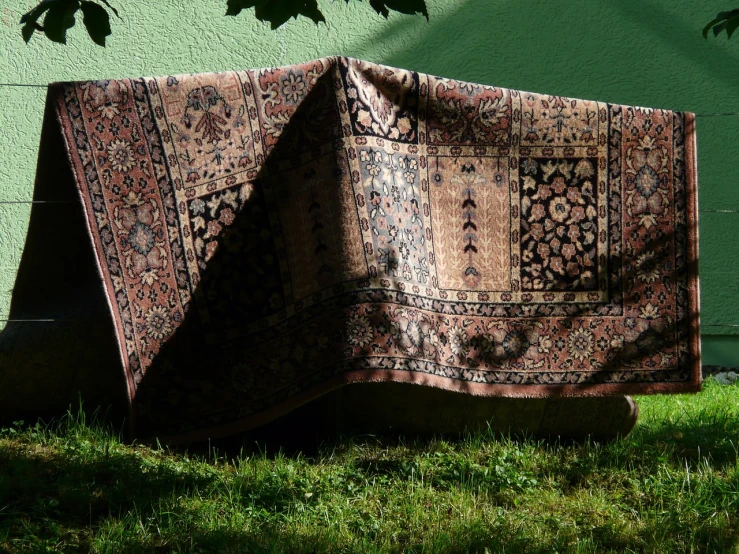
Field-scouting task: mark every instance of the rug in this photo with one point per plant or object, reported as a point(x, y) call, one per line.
point(266, 236)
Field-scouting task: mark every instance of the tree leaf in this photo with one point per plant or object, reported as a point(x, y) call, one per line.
point(708, 27)
point(27, 31)
point(727, 15)
point(721, 22)
point(111, 8)
point(732, 25)
point(33, 14)
point(59, 18)
point(277, 12)
point(97, 21)
point(410, 7)
point(718, 28)
point(60, 14)
point(30, 19)
point(311, 11)
point(234, 7)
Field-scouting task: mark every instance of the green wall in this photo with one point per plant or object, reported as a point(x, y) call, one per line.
point(638, 52)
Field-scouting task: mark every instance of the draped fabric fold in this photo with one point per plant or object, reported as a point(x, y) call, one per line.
point(265, 236)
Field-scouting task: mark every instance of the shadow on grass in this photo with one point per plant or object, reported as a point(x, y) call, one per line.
point(127, 501)
point(144, 501)
point(691, 441)
point(125, 504)
point(71, 486)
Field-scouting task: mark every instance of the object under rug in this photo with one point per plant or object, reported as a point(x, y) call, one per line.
point(266, 236)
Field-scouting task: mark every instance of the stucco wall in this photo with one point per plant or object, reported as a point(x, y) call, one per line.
point(639, 52)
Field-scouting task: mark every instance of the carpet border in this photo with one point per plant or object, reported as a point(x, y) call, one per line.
point(55, 91)
point(691, 163)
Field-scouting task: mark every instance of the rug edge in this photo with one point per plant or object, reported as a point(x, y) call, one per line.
point(691, 162)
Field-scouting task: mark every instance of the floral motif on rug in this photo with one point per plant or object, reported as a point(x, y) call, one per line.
point(265, 236)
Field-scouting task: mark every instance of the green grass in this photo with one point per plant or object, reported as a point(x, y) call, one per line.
point(671, 486)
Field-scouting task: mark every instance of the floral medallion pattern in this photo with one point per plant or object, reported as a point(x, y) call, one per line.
point(267, 235)
point(141, 236)
point(392, 193)
point(463, 113)
point(381, 102)
point(209, 132)
point(559, 229)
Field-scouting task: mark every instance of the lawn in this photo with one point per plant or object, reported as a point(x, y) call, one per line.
point(671, 486)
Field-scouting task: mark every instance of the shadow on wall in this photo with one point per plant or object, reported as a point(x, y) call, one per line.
point(580, 49)
point(59, 343)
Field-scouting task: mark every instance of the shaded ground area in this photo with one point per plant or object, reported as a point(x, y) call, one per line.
point(671, 486)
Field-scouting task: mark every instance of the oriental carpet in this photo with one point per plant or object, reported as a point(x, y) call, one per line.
point(266, 236)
